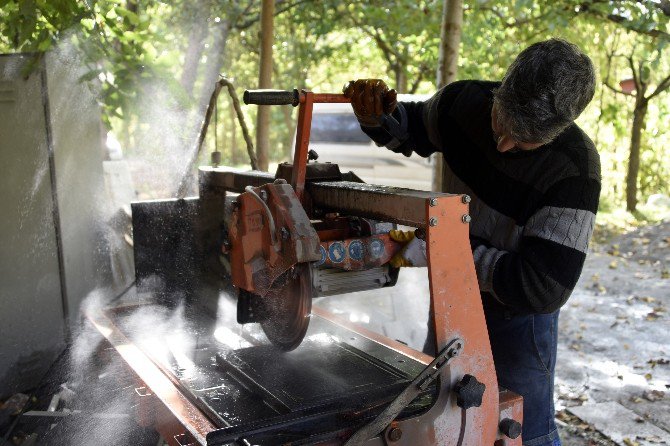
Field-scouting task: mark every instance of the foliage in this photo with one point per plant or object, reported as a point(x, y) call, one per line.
point(137, 51)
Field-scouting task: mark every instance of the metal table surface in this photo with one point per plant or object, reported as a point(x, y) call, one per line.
point(336, 378)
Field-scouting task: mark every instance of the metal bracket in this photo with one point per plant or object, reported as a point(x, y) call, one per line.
point(418, 385)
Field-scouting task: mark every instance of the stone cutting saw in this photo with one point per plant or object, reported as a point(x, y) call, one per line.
point(281, 240)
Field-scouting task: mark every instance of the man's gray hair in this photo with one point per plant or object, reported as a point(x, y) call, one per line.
point(544, 90)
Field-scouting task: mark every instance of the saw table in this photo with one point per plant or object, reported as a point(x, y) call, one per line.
point(241, 264)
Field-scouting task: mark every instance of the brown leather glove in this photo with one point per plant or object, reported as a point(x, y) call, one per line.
point(369, 99)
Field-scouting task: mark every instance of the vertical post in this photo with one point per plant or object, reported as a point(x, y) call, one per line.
point(265, 81)
point(302, 143)
point(457, 311)
point(450, 41)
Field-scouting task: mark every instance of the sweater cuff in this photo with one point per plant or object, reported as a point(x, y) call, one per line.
point(485, 258)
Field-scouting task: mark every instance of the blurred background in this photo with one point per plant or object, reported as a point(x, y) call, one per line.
point(154, 65)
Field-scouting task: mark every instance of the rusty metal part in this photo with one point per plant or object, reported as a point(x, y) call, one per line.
point(511, 408)
point(259, 252)
point(235, 180)
point(287, 308)
point(302, 143)
point(419, 384)
point(232, 180)
point(383, 203)
point(456, 306)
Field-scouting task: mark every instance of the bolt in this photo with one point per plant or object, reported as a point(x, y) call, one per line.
point(280, 181)
point(264, 195)
point(433, 201)
point(284, 233)
point(466, 218)
point(432, 221)
point(395, 434)
point(510, 428)
point(466, 199)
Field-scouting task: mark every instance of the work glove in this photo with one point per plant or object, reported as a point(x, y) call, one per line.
point(370, 98)
point(412, 254)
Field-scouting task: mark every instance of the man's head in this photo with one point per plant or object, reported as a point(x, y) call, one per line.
point(544, 90)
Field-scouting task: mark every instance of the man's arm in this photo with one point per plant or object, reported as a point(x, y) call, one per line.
point(420, 123)
point(541, 276)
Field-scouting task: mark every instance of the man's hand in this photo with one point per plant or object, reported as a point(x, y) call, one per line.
point(370, 98)
point(412, 254)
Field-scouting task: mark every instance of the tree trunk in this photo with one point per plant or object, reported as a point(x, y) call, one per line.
point(265, 81)
point(196, 45)
point(450, 41)
point(639, 117)
point(401, 79)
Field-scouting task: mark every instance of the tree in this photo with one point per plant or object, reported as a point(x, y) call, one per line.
point(406, 33)
point(640, 85)
point(265, 81)
point(450, 41)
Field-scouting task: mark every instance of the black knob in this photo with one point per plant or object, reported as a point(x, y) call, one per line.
point(469, 392)
point(510, 428)
point(312, 155)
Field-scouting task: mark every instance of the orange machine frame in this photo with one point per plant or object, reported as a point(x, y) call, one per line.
point(455, 305)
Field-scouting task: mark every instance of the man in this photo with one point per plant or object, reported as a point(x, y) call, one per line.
point(534, 179)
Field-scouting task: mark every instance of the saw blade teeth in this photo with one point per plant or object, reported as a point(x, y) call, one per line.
point(288, 310)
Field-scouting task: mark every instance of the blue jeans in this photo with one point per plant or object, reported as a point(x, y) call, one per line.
point(524, 353)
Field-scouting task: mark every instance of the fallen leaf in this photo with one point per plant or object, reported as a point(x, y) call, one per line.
point(648, 376)
point(654, 395)
point(613, 264)
point(665, 274)
point(652, 316)
point(628, 442)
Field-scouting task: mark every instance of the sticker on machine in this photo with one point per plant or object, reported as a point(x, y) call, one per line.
point(356, 250)
point(377, 248)
point(336, 252)
point(324, 255)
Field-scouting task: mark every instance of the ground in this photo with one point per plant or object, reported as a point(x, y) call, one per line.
point(614, 342)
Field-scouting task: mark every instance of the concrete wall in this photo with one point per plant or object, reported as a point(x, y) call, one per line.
point(50, 206)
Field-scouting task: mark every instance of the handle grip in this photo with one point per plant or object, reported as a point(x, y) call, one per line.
point(272, 97)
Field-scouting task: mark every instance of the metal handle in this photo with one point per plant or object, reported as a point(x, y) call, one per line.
point(272, 97)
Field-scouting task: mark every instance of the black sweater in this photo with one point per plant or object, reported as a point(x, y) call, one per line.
point(532, 211)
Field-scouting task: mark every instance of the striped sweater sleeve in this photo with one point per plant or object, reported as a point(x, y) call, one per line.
point(541, 275)
point(422, 123)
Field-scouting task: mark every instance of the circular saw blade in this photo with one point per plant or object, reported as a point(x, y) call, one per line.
point(288, 307)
